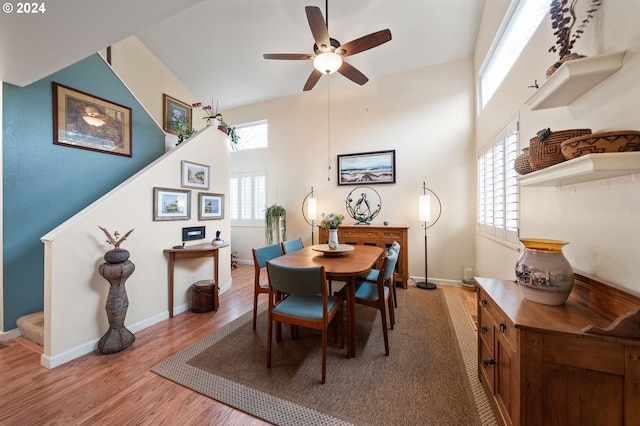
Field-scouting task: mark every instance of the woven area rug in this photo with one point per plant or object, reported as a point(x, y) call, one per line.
point(423, 381)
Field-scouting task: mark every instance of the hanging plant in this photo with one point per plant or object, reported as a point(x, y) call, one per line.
point(272, 217)
point(563, 19)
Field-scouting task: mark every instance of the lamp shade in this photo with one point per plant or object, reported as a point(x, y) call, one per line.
point(425, 208)
point(328, 62)
point(312, 211)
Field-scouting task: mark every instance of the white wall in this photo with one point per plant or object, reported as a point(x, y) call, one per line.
point(599, 219)
point(148, 79)
point(75, 293)
point(426, 115)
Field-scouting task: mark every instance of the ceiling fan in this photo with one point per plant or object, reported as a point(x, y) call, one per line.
point(329, 53)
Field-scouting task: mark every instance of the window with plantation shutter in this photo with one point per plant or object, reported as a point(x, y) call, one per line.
point(247, 197)
point(498, 190)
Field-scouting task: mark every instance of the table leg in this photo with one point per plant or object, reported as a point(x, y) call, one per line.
point(351, 316)
point(170, 279)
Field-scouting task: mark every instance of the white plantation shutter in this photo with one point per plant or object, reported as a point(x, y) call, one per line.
point(498, 190)
point(248, 197)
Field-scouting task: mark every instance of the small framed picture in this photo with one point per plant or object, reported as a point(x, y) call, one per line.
point(367, 168)
point(175, 115)
point(195, 175)
point(210, 206)
point(171, 204)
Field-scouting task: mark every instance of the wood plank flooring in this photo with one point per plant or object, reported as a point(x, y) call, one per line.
point(120, 389)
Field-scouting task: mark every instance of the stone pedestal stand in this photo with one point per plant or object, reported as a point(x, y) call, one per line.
point(117, 338)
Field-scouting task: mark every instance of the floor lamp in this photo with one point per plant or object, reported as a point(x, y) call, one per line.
point(311, 214)
point(425, 216)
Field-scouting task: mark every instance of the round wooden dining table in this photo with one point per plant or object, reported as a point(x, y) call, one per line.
point(345, 268)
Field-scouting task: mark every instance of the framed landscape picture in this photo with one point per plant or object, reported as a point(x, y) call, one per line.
point(195, 175)
point(81, 120)
point(367, 168)
point(173, 111)
point(210, 206)
point(171, 204)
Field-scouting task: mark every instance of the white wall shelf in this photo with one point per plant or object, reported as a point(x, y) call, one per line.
point(575, 78)
point(584, 169)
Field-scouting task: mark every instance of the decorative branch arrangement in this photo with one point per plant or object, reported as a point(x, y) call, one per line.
point(115, 240)
point(563, 19)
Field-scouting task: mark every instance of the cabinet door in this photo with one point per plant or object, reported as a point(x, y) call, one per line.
point(506, 375)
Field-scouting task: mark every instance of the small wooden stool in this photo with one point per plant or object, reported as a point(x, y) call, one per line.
point(204, 296)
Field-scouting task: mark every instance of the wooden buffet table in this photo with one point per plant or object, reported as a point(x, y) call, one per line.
point(343, 268)
point(540, 365)
point(191, 252)
point(376, 235)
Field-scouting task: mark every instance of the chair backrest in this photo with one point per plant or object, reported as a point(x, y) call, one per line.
point(292, 245)
point(303, 281)
point(392, 259)
point(396, 247)
point(263, 254)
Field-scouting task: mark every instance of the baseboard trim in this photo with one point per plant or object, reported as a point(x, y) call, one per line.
point(57, 360)
point(9, 334)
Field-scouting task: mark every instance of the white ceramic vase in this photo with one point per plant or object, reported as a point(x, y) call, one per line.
point(333, 239)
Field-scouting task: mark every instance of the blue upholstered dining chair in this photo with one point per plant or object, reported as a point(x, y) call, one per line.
point(260, 257)
point(290, 246)
point(372, 275)
point(306, 303)
point(378, 295)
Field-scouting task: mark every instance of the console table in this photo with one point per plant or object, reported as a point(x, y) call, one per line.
point(380, 236)
point(191, 252)
point(575, 364)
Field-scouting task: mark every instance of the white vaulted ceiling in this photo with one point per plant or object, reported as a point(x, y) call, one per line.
point(215, 47)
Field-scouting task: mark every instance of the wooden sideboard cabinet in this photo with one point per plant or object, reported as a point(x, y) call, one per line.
point(380, 236)
point(539, 365)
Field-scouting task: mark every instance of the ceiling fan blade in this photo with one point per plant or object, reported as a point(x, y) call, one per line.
point(287, 56)
point(318, 26)
point(312, 80)
point(365, 43)
point(352, 73)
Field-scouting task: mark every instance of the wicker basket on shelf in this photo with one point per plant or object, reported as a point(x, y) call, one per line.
point(544, 149)
point(596, 143)
point(521, 164)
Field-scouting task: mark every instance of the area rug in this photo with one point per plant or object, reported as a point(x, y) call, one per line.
point(423, 381)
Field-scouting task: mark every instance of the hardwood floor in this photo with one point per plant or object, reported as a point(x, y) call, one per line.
point(120, 389)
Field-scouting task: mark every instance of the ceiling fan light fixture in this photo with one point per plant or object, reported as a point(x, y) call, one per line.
point(327, 62)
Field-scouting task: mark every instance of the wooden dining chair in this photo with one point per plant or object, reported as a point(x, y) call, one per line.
point(306, 303)
point(379, 295)
point(290, 246)
point(261, 256)
point(372, 275)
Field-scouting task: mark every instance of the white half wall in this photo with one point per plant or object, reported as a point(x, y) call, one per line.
point(75, 293)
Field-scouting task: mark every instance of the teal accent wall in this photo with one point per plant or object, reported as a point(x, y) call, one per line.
point(46, 184)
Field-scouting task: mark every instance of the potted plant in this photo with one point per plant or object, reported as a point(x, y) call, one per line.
point(563, 19)
point(181, 124)
point(275, 219)
point(330, 222)
point(214, 118)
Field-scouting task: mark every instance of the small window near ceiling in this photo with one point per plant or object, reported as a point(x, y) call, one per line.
point(248, 197)
point(520, 22)
point(252, 135)
point(498, 189)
